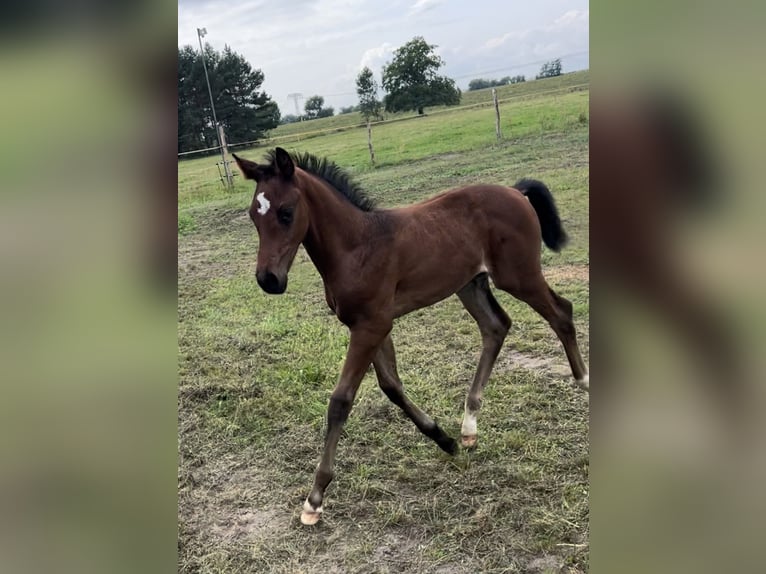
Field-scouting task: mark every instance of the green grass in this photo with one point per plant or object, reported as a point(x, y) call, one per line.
point(562, 83)
point(256, 372)
point(186, 224)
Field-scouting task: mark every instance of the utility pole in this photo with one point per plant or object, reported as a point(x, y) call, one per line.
point(201, 33)
point(295, 97)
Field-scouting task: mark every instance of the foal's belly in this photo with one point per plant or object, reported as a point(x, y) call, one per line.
point(416, 293)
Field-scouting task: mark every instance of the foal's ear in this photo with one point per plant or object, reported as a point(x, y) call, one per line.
point(249, 169)
point(284, 162)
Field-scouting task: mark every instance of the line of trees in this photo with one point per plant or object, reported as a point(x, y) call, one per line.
point(246, 112)
point(481, 83)
point(550, 69)
point(313, 108)
point(410, 80)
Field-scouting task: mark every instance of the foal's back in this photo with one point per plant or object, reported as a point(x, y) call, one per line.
point(442, 243)
point(470, 219)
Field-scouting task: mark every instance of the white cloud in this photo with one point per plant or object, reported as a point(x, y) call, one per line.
point(374, 58)
point(493, 43)
point(568, 32)
point(573, 17)
point(423, 6)
point(319, 46)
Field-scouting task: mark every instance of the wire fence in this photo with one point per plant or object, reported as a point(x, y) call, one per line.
point(298, 136)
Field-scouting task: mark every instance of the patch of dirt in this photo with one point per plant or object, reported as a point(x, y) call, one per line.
point(248, 526)
point(395, 549)
point(510, 359)
point(546, 565)
point(226, 501)
point(450, 569)
point(567, 273)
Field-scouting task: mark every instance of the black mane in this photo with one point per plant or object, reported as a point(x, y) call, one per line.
point(335, 176)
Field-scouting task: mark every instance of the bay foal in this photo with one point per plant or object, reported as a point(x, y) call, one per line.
point(379, 264)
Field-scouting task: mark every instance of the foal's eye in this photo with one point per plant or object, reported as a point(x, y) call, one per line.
point(285, 215)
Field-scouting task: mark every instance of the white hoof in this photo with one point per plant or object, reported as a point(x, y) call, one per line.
point(310, 515)
point(469, 441)
point(310, 518)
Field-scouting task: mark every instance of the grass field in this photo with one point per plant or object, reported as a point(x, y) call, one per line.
point(256, 372)
point(513, 92)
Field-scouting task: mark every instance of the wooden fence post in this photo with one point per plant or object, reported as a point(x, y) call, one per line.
point(224, 155)
point(497, 114)
point(369, 141)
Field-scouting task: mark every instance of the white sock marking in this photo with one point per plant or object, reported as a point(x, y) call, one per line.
point(469, 424)
point(308, 508)
point(263, 203)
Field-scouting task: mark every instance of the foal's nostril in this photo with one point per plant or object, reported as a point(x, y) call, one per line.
point(270, 283)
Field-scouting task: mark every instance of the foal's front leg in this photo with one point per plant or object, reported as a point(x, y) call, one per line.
point(364, 343)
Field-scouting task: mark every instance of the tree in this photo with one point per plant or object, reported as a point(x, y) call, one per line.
point(411, 82)
point(550, 69)
point(245, 112)
point(481, 83)
point(367, 89)
point(193, 108)
point(478, 84)
point(289, 119)
point(314, 108)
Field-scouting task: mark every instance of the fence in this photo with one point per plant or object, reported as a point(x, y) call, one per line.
point(315, 133)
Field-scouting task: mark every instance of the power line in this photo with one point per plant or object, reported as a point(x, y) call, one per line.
point(517, 66)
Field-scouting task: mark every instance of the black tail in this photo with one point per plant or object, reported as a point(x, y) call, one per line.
point(541, 199)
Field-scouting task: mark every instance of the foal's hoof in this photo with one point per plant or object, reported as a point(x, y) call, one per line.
point(584, 384)
point(309, 514)
point(469, 440)
point(310, 518)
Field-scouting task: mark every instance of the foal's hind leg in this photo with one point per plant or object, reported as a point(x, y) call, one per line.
point(494, 324)
point(558, 312)
point(388, 379)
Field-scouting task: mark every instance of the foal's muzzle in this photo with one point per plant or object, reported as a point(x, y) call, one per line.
point(271, 283)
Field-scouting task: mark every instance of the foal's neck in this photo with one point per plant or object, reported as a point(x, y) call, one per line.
point(336, 226)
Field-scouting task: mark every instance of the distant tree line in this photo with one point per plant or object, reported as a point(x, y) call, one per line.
point(550, 69)
point(246, 112)
point(481, 83)
point(312, 109)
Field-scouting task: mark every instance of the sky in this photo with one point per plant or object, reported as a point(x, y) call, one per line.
point(318, 47)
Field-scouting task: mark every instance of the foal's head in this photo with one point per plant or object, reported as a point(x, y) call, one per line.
point(280, 215)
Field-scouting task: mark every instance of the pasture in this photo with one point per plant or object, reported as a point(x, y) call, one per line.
point(256, 372)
